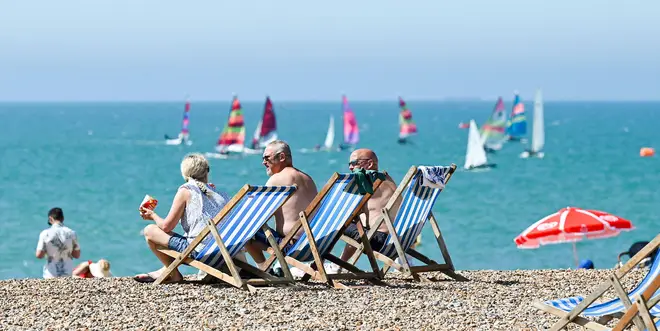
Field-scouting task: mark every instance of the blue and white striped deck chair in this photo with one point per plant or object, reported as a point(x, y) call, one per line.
point(332, 210)
point(405, 215)
point(570, 309)
point(229, 231)
point(646, 307)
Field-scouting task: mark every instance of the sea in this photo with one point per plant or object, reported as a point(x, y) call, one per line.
point(97, 160)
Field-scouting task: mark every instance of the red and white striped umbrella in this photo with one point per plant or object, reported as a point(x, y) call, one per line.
point(572, 224)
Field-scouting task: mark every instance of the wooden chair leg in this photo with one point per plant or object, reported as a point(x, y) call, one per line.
point(315, 253)
point(397, 244)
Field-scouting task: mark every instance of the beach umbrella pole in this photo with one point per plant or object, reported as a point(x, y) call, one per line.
point(575, 255)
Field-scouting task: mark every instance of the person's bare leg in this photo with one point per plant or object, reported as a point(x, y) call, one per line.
point(256, 251)
point(348, 252)
point(157, 237)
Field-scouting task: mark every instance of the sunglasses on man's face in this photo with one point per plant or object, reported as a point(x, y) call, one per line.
point(268, 158)
point(355, 162)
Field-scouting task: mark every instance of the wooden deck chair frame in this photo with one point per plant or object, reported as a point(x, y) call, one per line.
point(317, 270)
point(232, 264)
point(389, 213)
point(614, 282)
point(641, 308)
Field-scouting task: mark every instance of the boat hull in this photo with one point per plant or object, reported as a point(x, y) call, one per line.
point(177, 142)
point(222, 156)
point(529, 154)
point(250, 151)
point(483, 166)
point(490, 150)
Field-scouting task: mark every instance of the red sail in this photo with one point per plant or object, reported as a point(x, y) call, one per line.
point(268, 123)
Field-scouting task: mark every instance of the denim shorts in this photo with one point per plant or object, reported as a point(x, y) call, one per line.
point(179, 243)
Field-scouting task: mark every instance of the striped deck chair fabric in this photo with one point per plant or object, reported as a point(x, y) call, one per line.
point(336, 205)
point(417, 203)
point(243, 221)
point(612, 306)
point(247, 212)
point(571, 309)
point(334, 212)
point(641, 310)
point(414, 199)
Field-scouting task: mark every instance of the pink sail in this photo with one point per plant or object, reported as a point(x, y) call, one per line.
point(407, 126)
point(351, 131)
point(186, 119)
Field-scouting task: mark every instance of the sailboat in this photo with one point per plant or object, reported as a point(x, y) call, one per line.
point(266, 130)
point(351, 130)
point(407, 126)
point(475, 157)
point(517, 124)
point(330, 136)
point(493, 132)
point(232, 136)
point(184, 135)
point(538, 130)
point(329, 139)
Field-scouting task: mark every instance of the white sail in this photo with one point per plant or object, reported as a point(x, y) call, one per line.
point(475, 155)
point(538, 129)
point(257, 132)
point(330, 136)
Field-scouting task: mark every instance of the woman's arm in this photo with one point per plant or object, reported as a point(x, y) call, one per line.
point(168, 223)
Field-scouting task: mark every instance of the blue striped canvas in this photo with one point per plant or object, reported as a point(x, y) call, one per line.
point(416, 204)
point(333, 212)
point(243, 221)
point(613, 306)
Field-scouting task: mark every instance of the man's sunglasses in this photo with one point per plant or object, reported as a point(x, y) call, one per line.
point(268, 157)
point(355, 162)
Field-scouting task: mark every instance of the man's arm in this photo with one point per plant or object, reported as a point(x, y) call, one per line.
point(364, 215)
point(76, 247)
point(41, 249)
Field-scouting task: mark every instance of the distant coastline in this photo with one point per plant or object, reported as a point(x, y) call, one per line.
point(337, 100)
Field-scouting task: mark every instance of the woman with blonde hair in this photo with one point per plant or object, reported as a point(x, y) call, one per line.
point(89, 269)
point(194, 203)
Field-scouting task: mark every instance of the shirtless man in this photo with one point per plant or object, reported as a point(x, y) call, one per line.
point(279, 166)
point(367, 159)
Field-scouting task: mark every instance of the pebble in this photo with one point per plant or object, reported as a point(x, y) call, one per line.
point(491, 300)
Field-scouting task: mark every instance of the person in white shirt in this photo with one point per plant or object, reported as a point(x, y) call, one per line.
point(59, 244)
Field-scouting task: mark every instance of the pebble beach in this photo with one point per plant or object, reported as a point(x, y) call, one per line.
point(491, 300)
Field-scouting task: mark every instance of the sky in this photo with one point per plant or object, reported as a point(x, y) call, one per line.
point(128, 50)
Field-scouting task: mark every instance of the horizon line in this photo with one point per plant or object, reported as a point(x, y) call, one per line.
point(446, 99)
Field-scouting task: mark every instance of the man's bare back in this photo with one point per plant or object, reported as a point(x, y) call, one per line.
point(298, 202)
point(378, 201)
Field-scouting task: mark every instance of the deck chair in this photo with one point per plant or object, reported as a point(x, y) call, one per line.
point(411, 203)
point(570, 309)
point(645, 307)
point(324, 221)
point(230, 230)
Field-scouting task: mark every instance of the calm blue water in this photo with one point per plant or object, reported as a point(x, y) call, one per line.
point(97, 160)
